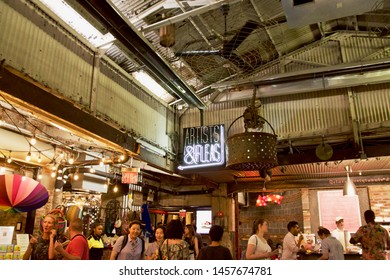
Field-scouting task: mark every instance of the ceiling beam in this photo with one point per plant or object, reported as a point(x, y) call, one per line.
point(122, 30)
point(323, 183)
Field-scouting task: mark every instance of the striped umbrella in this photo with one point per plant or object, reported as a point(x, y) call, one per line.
point(21, 194)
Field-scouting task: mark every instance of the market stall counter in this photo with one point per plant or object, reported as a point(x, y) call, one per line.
point(316, 256)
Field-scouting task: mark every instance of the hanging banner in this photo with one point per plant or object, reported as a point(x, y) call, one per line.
point(137, 198)
point(204, 146)
point(182, 213)
point(130, 175)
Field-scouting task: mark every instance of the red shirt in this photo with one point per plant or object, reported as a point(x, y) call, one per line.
point(78, 246)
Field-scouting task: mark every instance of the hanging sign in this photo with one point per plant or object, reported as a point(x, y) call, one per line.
point(130, 175)
point(182, 213)
point(204, 146)
point(138, 198)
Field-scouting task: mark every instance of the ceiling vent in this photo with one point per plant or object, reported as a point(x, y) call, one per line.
point(315, 11)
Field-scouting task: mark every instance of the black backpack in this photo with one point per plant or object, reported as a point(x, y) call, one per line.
point(124, 242)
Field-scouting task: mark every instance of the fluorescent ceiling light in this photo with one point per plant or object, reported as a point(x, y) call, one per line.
point(99, 40)
point(149, 83)
point(78, 23)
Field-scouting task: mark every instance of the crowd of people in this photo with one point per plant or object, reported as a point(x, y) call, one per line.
point(178, 242)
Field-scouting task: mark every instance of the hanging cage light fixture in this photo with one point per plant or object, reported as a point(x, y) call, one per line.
point(253, 149)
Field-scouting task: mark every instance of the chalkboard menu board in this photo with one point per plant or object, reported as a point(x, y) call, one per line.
point(332, 204)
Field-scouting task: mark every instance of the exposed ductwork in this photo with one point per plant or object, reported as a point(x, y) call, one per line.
point(106, 14)
point(323, 78)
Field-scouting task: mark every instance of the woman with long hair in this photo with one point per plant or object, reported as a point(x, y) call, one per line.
point(258, 248)
point(190, 237)
point(174, 247)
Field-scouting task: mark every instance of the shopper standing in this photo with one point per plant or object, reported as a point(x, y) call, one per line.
point(42, 248)
point(130, 246)
point(373, 237)
point(95, 242)
point(332, 249)
point(77, 248)
point(215, 251)
point(290, 246)
point(258, 247)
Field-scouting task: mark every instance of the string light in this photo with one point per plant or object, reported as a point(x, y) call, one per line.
point(33, 140)
point(76, 175)
point(28, 157)
point(39, 158)
point(71, 159)
point(9, 159)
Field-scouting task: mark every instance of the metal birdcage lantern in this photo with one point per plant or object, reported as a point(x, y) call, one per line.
point(251, 150)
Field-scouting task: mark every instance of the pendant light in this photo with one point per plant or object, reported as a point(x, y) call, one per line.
point(349, 187)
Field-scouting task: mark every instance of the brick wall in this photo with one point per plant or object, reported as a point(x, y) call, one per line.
point(380, 201)
point(277, 216)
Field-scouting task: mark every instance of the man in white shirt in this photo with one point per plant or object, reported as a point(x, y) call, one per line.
point(341, 234)
point(290, 246)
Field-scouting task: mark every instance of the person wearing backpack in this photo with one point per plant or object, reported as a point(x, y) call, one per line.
point(258, 248)
point(77, 248)
point(130, 246)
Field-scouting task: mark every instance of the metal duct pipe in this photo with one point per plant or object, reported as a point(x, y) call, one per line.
point(329, 72)
point(121, 28)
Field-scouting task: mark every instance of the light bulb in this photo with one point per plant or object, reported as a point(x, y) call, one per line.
point(71, 160)
point(39, 158)
point(76, 176)
point(33, 141)
point(28, 157)
point(9, 160)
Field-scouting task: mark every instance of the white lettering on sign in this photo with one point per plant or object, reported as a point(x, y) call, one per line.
point(203, 146)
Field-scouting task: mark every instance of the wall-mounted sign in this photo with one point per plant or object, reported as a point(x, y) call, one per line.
point(204, 146)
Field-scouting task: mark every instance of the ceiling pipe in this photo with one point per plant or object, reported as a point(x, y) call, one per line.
point(186, 15)
point(329, 72)
point(121, 28)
